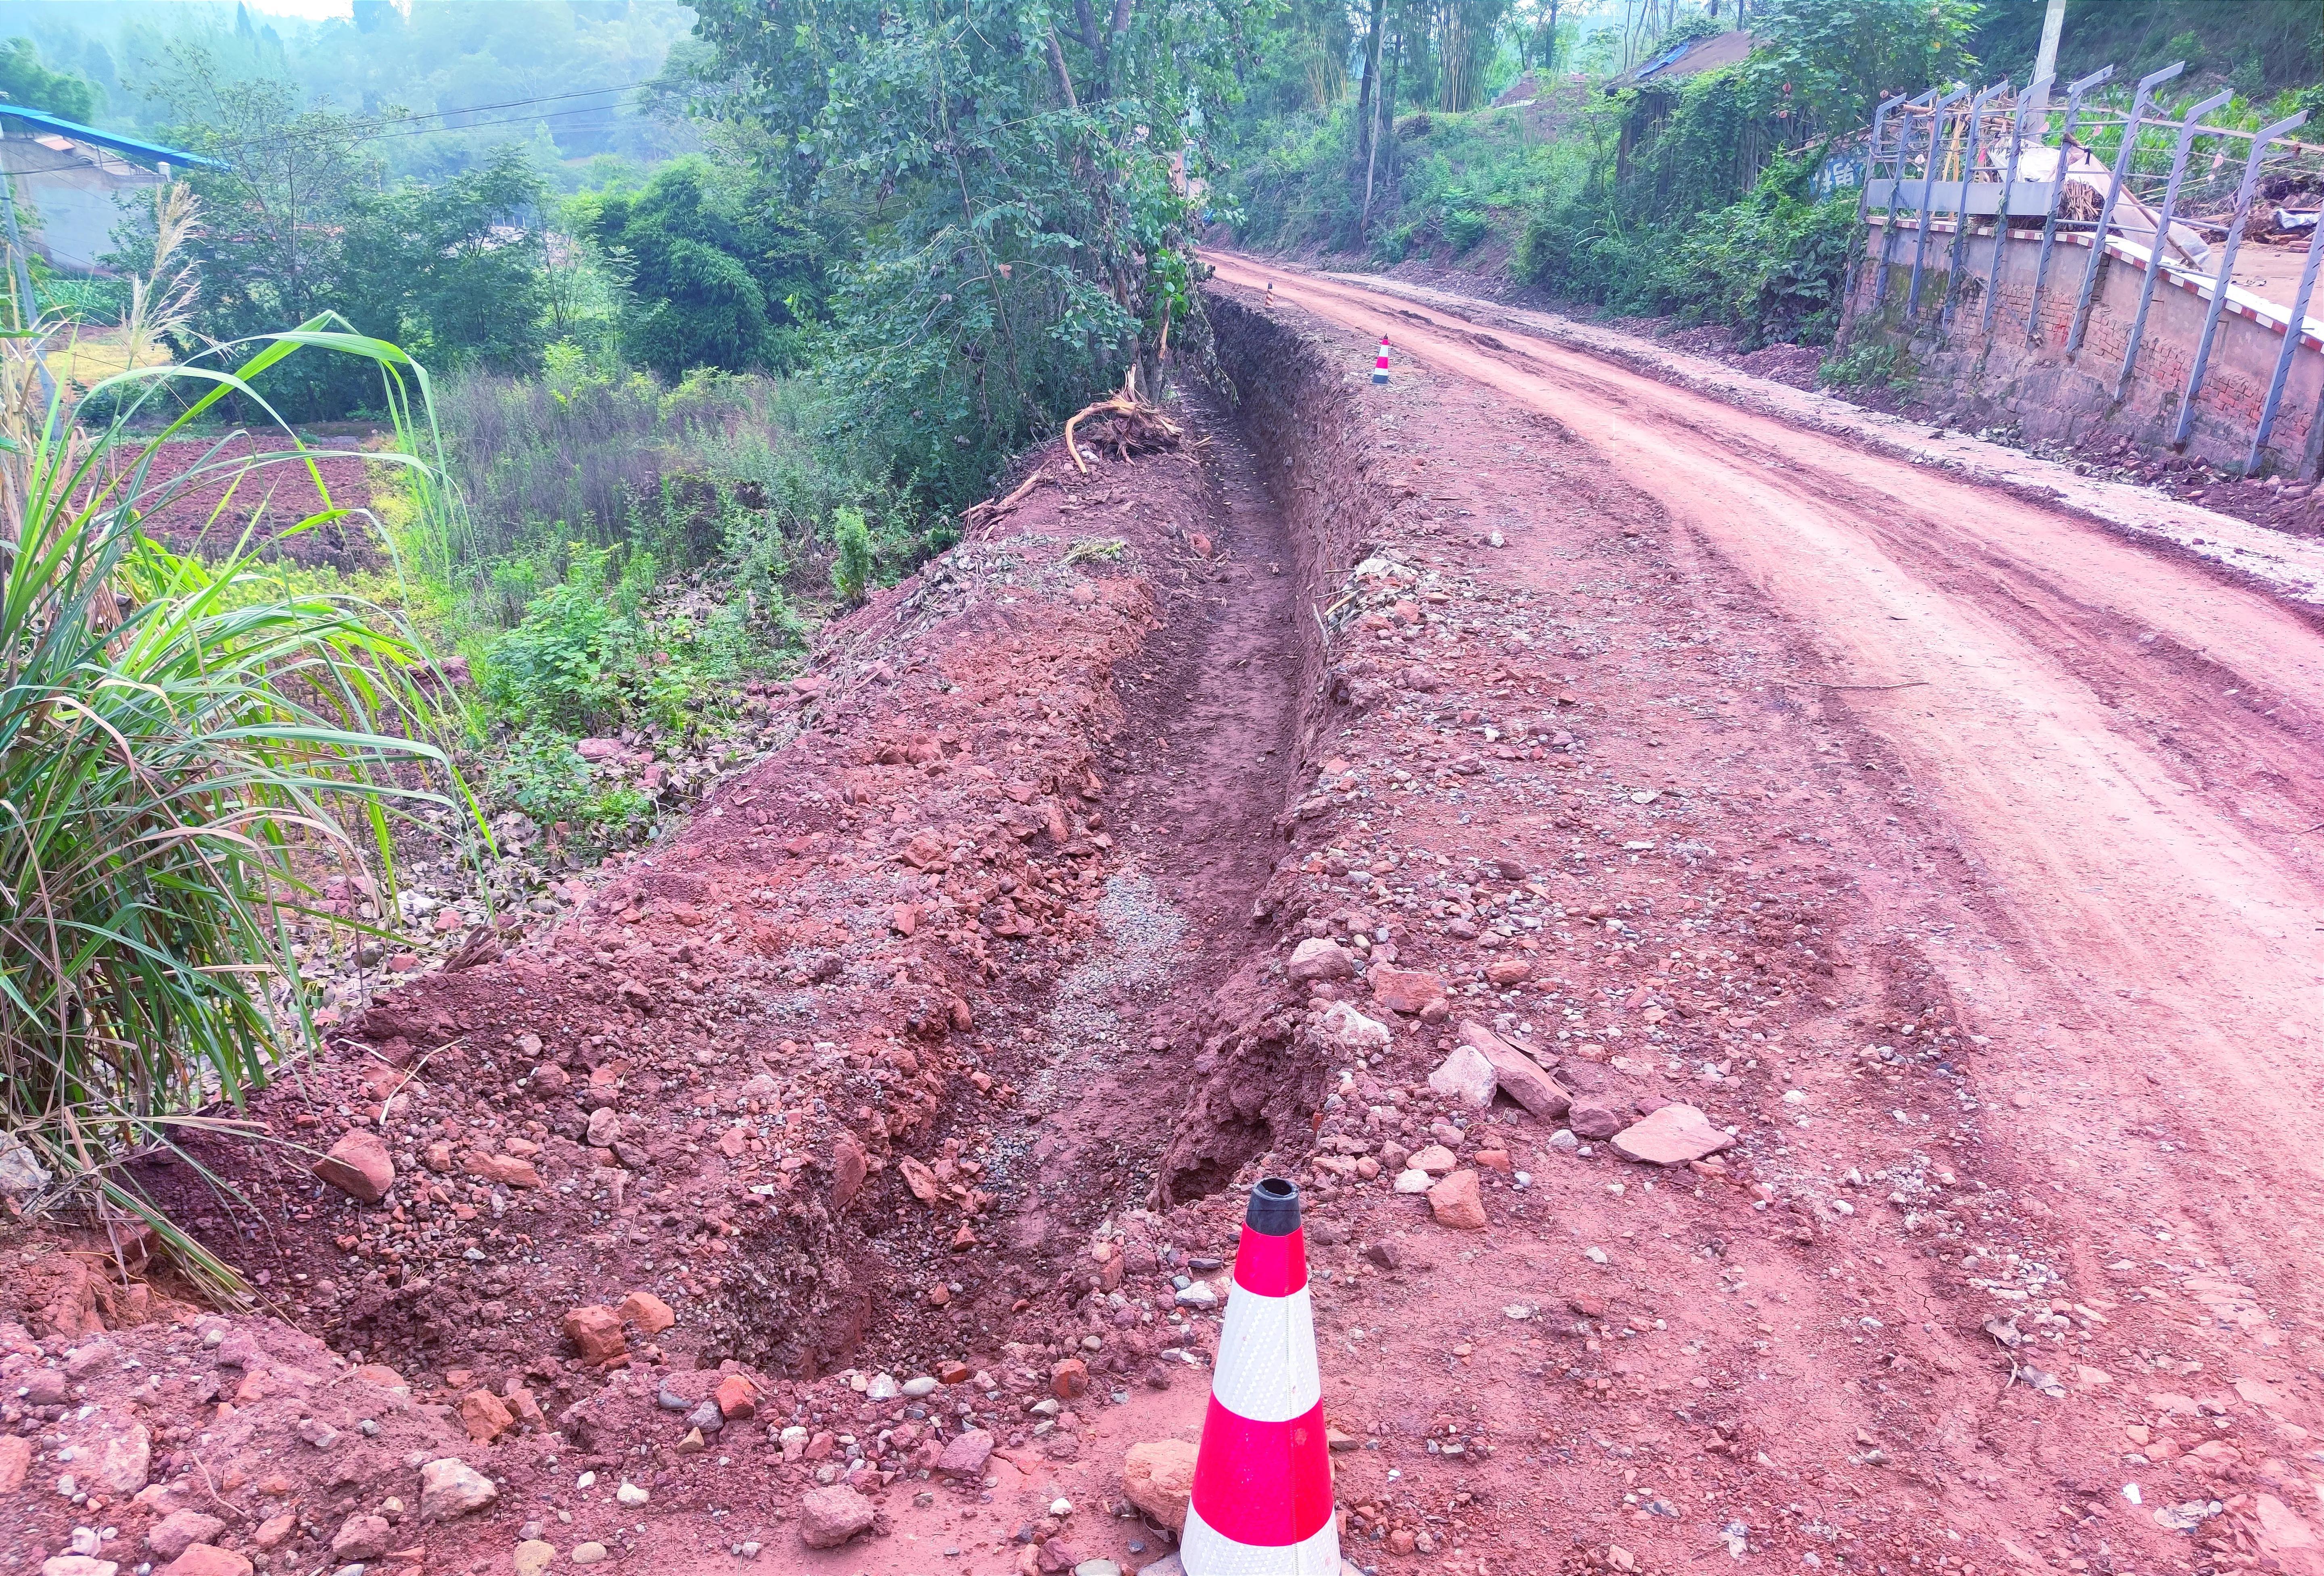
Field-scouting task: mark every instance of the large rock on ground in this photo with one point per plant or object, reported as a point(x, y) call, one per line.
point(119, 1457)
point(361, 1537)
point(206, 1560)
point(1517, 1074)
point(1158, 1476)
point(15, 1461)
point(358, 1165)
point(1345, 1033)
point(451, 1487)
point(485, 1416)
point(1594, 1116)
point(1671, 1135)
point(1465, 1076)
point(1458, 1202)
point(1406, 991)
point(829, 1516)
point(180, 1530)
point(1317, 959)
point(1436, 1160)
point(647, 1312)
point(965, 1456)
point(596, 1332)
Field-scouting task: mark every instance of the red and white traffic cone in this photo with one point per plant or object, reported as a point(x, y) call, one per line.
point(1262, 1495)
point(1379, 367)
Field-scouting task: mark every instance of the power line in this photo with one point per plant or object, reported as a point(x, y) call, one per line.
point(449, 130)
point(403, 121)
point(478, 125)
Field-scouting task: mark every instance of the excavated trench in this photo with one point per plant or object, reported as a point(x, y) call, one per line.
point(1164, 1063)
point(1167, 1062)
point(781, 1051)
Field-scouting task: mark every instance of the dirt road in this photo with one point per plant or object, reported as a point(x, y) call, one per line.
point(2124, 746)
point(2103, 762)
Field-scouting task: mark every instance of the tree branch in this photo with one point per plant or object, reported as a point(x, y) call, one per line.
point(1065, 78)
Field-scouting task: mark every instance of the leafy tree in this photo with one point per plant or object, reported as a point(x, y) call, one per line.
point(452, 272)
point(713, 281)
point(300, 222)
point(24, 80)
point(1826, 63)
point(851, 570)
point(1004, 172)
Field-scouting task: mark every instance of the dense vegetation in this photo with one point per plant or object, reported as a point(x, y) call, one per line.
point(1711, 197)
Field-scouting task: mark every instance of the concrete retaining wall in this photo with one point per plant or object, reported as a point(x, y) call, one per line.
point(2055, 397)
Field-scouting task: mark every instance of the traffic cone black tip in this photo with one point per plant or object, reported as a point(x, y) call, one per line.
point(1273, 1207)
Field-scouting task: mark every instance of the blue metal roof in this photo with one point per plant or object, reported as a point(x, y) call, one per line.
point(1656, 64)
point(151, 152)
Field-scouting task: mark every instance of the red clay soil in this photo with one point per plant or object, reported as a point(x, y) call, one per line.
point(204, 505)
point(1943, 848)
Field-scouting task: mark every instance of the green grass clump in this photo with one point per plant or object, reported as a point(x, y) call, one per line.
point(186, 750)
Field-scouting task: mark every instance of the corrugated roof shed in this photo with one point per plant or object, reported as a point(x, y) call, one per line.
point(148, 152)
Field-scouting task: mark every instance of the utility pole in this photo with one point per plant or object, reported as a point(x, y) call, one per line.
point(2045, 64)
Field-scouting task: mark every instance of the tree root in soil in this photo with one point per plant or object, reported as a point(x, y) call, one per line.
point(1131, 426)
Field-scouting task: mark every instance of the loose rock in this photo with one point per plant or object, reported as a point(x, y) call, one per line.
point(1436, 1160)
point(359, 1165)
point(485, 1416)
point(1518, 1076)
point(361, 1537)
point(1671, 1135)
point(1344, 1032)
point(596, 1332)
point(207, 1560)
point(829, 1516)
point(120, 1461)
point(647, 1312)
point(965, 1456)
point(1317, 958)
point(1465, 1076)
point(1458, 1202)
point(450, 1487)
point(1158, 1477)
point(1592, 1117)
point(180, 1530)
point(1408, 991)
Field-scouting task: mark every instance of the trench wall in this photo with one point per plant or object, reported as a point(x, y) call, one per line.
point(1302, 412)
point(2053, 396)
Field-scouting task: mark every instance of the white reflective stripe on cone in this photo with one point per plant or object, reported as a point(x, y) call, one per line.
point(1206, 1552)
point(1265, 1368)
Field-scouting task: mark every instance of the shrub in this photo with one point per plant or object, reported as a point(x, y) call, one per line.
point(566, 664)
point(1867, 363)
point(540, 774)
point(1464, 227)
point(851, 571)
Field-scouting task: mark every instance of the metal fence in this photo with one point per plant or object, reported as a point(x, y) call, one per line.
point(2085, 168)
